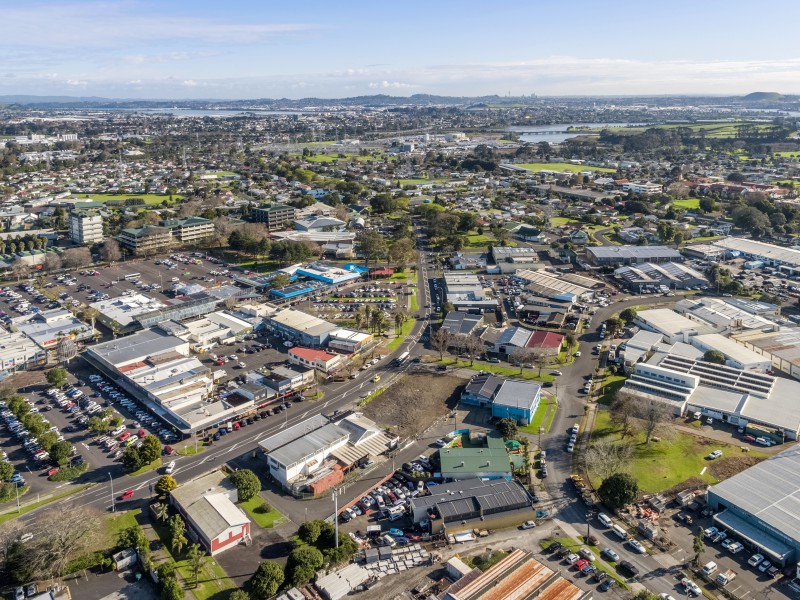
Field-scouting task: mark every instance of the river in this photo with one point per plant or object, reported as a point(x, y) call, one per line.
point(559, 132)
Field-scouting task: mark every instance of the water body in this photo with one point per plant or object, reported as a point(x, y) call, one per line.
point(559, 132)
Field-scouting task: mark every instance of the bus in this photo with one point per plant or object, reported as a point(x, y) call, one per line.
point(401, 359)
point(130, 276)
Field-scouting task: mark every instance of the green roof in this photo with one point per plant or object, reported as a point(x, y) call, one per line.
point(468, 462)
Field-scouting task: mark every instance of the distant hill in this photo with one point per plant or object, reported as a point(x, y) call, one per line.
point(763, 97)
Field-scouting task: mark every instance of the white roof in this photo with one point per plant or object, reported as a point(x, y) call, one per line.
point(667, 321)
point(731, 349)
point(790, 256)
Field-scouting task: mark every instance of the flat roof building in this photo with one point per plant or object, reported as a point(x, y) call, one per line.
point(489, 461)
point(549, 285)
point(301, 327)
point(722, 314)
point(120, 314)
point(461, 323)
point(670, 274)
point(631, 255)
point(736, 355)
point(781, 347)
point(770, 254)
point(507, 398)
point(464, 290)
point(671, 325)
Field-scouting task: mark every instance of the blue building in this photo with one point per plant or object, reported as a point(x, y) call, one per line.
point(506, 398)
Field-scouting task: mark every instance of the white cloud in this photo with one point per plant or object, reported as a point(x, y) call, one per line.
point(76, 82)
point(390, 85)
point(189, 83)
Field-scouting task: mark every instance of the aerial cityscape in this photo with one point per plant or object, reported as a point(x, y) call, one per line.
point(427, 302)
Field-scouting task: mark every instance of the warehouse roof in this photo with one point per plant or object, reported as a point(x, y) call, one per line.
point(731, 349)
point(789, 256)
point(302, 322)
point(784, 344)
point(459, 322)
point(499, 494)
point(667, 321)
point(634, 252)
point(769, 490)
point(145, 343)
point(547, 284)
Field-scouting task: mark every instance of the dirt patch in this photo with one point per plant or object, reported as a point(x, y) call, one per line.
point(723, 468)
point(693, 483)
point(414, 402)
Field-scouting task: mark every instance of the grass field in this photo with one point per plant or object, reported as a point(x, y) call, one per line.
point(13, 514)
point(121, 521)
point(538, 417)
point(479, 240)
point(405, 329)
point(712, 130)
point(265, 520)
point(687, 203)
point(151, 199)
point(661, 465)
point(563, 167)
point(611, 385)
point(153, 465)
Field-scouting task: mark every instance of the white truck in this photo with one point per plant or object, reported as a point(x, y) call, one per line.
point(725, 577)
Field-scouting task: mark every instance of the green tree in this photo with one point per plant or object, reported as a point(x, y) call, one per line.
point(309, 531)
point(281, 280)
point(707, 205)
point(507, 428)
point(177, 534)
point(247, 484)
point(698, 546)
point(132, 459)
point(161, 511)
point(60, 452)
point(628, 315)
point(372, 245)
point(618, 490)
point(97, 424)
point(196, 558)
point(303, 564)
point(57, 377)
point(266, 581)
point(165, 484)
point(132, 537)
point(239, 595)
point(402, 252)
point(614, 325)
point(646, 595)
point(6, 470)
point(150, 449)
point(171, 589)
point(714, 356)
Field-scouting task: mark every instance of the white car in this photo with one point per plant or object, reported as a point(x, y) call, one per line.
point(170, 468)
point(636, 545)
point(605, 519)
point(528, 525)
point(714, 454)
point(692, 589)
point(665, 596)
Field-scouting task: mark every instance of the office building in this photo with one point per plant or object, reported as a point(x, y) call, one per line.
point(85, 228)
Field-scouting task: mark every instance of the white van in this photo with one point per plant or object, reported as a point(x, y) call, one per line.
point(710, 568)
point(621, 533)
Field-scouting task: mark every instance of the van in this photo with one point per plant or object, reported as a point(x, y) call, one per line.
point(620, 531)
point(710, 567)
point(395, 516)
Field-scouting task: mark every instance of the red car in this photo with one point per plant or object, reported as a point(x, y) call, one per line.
point(169, 450)
point(53, 471)
point(749, 438)
point(126, 495)
point(124, 436)
point(219, 363)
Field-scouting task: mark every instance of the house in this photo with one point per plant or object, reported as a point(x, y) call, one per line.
point(207, 504)
point(315, 359)
point(579, 237)
point(547, 342)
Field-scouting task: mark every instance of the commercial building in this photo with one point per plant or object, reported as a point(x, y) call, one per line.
point(286, 379)
point(506, 398)
point(18, 353)
point(548, 343)
point(631, 255)
point(310, 457)
point(349, 341)
point(120, 314)
point(485, 458)
point(324, 273)
point(215, 328)
point(759, 505)
point(47, 328)
point(157, 368)
point(736, 355)
point(781, 347)
point(85, 227)
point(147, 240)
point(189, 231)
point(319, 223)
point(663, 277)
point(276, 216)
point(300, 327)
point(514, 255)
point(703, 251)
point(207, 504)
point(465, 291)
point(316, 359)
point(548, 285)
point(769, 254)
point(517, 576)
point(458, 322)
point(674, 327)
point(729, 314)
point(642, 187)
point(470, 503)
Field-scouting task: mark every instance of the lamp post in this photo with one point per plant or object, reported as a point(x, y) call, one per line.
point(589, 515)
point(113, 506)
point(335, 498)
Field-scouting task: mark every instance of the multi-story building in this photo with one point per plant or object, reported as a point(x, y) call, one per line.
point(149, 239)
point(275, 216)
point(189, 231)
point(85, 227)
point(642, 188)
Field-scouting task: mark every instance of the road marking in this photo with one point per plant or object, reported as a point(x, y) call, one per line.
point(303, 416)
point(326, 403)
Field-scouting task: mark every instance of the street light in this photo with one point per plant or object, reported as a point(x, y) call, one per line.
point(113, 506)
point(589, 515)
point(335, 498)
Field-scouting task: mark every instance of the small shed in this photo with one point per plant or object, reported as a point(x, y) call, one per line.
point(124, 559)
point(371, 555)
point(647, 529)
point(685, 497)
point(456, 568)
point(657, 502)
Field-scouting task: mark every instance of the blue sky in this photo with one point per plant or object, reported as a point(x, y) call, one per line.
point(269, 49)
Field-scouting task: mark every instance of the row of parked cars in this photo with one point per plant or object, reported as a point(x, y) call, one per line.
point(714, 535)
point(582, 561)
point(391, 499)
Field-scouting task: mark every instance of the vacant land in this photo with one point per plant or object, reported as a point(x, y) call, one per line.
point(557, 166)
point(148, 198)
point(678, 456)
point(687, 203)
point(414, 402)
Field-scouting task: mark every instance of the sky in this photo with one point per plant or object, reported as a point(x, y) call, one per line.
point(242, 49)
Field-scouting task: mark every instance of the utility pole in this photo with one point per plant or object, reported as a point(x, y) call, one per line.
point(113, 506)
point(335, 498)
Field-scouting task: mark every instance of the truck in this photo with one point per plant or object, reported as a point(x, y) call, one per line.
point(726, 577)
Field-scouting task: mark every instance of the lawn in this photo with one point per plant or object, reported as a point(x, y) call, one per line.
point(609, 567)
point(153, 465)
point(611, 386)
point(265, 520)
point(120, 521)
point(413, 305)
point(405, 329)
point(148, 198)
point(661, 465)
point(497, 369)
point(190, 449)
point(557, 166)
point(539, 415)
point(687, 203)
point(559, 221)
point(479, 240)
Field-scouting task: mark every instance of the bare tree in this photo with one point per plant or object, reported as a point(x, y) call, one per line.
point(623, 412)
point(66, 531)
point(652, 414)
point(519, 357)
point(20, 268)
point(52, 262)
point(474, 347)
point(604, 458)
point(76, 257)
point(539, 359)
point(110, 251)
point(440, 341)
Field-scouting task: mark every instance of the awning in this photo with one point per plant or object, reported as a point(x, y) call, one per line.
point(773, 548)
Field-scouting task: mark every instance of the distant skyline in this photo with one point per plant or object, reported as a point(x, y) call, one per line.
point(242, 49)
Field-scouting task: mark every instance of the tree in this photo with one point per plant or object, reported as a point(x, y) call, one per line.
point(76, 257)
point(507, 428)
point(60, 452)
point(652, 414)
point(239, 595)
point(281, 280)
point(171, 589)
point(604, 458)
point(177, 534)
point(698, 546)
point(20, 268)
point(57, 377)
point(165, 484)
point(666, 231)
point(399, 318)
point(197, 558)
point(52, 262)
point(402, 252)
point(247, 484)
point(266, 581)
point(614, 325)
point(714, 356)
point(519, 357)
point(372, 245)
point(440, 341)
point(628, 315)
point(150, 449)
point(133, 537)
point(132, 459)
point(6, 470)
point(161, 511)
point(646, 595)
point(474, 348)
point(110, 251)
point(303, 564)
point(707, 205)
point(97, 424)
point(90, 314)
point(539, 358)
point(618, 490)
point(310, 531)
